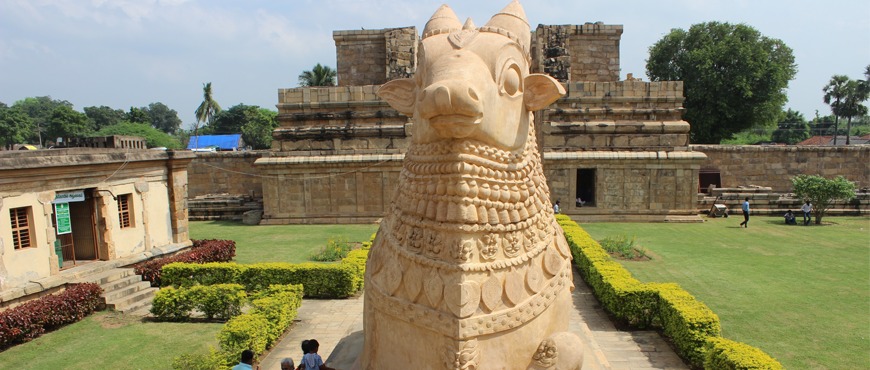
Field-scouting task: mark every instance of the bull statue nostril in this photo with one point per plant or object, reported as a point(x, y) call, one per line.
point(472, 94)
point(442, 98)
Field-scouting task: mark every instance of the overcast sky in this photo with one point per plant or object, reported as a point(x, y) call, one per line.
point(124, 53)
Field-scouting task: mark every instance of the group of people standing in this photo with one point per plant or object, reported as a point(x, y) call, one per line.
point(790, 219)
point(310, 359)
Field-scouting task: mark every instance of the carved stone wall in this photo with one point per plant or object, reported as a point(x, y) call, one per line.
point(372, 57)
point(336, 120)
point(774, 166)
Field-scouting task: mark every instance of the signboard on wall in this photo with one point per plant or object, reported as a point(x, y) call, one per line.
point(69, 196)
point(61, 215)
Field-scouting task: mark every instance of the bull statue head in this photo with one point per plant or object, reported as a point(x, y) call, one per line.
point(473, 83)
point(469, 269)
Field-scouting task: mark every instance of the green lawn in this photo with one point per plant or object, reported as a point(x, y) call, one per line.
point(278, 243)
point(107, 340)
point(801, 294)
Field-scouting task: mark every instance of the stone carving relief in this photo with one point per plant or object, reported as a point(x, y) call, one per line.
point(469, 257)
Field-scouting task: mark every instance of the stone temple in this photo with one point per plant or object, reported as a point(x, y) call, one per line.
point(612, 149)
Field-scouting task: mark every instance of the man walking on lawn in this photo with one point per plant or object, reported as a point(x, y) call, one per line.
point(745, 208)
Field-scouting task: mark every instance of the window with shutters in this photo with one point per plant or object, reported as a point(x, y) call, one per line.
point(125, 210)
point(21, 227)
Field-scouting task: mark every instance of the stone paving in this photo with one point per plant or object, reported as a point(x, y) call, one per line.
point(337, 325)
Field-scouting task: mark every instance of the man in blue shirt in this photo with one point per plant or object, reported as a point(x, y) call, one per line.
point(247, 361)
point(745, 207)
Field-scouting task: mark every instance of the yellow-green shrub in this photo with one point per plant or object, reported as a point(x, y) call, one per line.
point(339, 280)
point(272, 312)
point(220, 300)
point(727, 354)
point(690, 324)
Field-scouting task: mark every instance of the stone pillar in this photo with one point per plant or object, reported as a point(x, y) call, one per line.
point(176, 183)
point(45, 198)
point(104, 204)
point(142, 189)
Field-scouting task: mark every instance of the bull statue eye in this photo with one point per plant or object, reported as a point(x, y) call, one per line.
point(512, 84)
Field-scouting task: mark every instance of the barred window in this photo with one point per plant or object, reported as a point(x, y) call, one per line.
point(21, 227)
point(125, 210)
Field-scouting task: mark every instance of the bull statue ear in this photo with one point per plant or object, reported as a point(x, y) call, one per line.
point(399, 94)
point(540, 91)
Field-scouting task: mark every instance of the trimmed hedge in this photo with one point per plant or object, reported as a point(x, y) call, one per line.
point(272, 313)
point(221, 301)
point(30, 320)
point(727, 354)
point(202, 251)
point(690, 324)
point(340, 280)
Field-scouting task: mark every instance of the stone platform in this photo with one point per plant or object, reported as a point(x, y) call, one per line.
point(337, 325)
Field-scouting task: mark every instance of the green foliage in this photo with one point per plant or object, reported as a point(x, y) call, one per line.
point(734, 77)
point(64, 122)
point(623, 247)
point(320, 280)
point(792, 129)
point(154, 137)
point(104, 116)
point(15, 126)
point(254, 123)
point(686, 321)
point(726, 354)
point(336, 248)
point(821, 192)
point(137, 115)
point(39, 109)
point(207, 109)
point(271, 314)
point(318, 76)
point(213, 360)
point(162, 118)
point(171, 304)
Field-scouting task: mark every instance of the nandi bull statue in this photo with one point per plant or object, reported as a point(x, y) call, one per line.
point(469, 269)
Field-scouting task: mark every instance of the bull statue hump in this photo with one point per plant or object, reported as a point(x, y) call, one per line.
point(469, 269)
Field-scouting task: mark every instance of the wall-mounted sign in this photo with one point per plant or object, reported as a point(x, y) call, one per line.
point(69, 196)
point(61, 215)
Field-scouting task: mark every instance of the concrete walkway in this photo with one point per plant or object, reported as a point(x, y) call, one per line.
point(337, 325)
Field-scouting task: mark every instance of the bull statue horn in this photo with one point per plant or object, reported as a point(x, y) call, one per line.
point(443, 21)
point(513, 20)
point(469, 24)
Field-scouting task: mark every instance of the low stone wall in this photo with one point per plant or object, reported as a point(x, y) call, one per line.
point(225, 173)
point(764, 201)
point(774, 166)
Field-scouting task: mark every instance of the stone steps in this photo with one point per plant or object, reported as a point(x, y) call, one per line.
point(123, 290)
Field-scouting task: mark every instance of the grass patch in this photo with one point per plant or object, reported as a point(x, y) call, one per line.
point(109, 340)
point(278, 243)
point(799, 293)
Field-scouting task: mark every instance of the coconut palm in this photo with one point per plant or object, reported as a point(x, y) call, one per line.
point(856, 93)
point(835, 93)
point(206, 110)
point(318, 76)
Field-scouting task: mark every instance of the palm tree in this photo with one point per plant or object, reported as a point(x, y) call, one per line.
point(206, 110)
point(835, 92)
point(318, 76)
point(856, 93)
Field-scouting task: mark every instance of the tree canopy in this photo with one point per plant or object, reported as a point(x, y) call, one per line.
point(318, 76)
point(734, 77)
point(103, 116)
point(846, 98)
point(154, 137)
point(821, 192)
point(207, 109)
point(791, 129)
point(15, 126)
point(254, 123)
point(66, 123)
point(39, 109)
point(162, 117)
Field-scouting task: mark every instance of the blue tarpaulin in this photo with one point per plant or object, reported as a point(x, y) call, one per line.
point(221, 142)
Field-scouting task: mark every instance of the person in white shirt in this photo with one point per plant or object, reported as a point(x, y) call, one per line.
point(807, 209)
